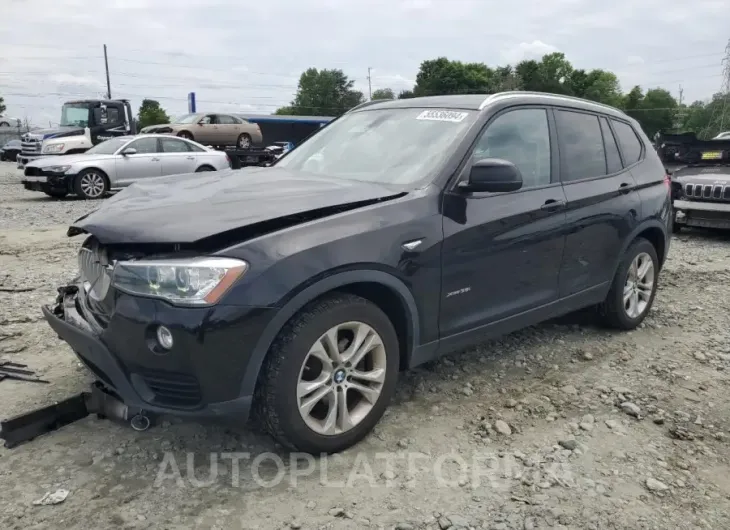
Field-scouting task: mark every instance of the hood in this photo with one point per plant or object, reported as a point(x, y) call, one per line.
point(703, 175)
point(188, 208)
point(60, 160)
point(154, 128)
point(56, 132)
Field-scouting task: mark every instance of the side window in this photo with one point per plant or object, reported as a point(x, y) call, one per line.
point(613, 159)
point(582, 154)
point(225, 120)
point(207, 120)
point(522, 137)
point(112, 115)
point(172, 145)
point(236, 120)
point(194, 148)
point(145, 146)
point(629, 142)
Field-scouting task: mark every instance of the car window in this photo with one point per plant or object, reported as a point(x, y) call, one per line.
point(225, 120)
point(522, 137)
point(207, 120)
point(581, 151)
point(236, 120)
point(112, 115)
point(144, 146)
point(629, 142)
point(194, 148)
point(173, 145)
point(613, 159)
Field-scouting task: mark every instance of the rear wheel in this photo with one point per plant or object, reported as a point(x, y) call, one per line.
point(204, 168)
point(329, 375)
point(244, 141)
point(185, 134)
point(91, 184)
point(634, 287)
point(4, 124)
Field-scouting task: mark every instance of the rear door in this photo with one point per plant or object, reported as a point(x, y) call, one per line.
point(603, 202)
point(229, 129)
point(145, 163)
point(207, 130)
point(177, 156)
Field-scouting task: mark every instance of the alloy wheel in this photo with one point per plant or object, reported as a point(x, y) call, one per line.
point(639, 285)
point(92, 184)
point(341, 378)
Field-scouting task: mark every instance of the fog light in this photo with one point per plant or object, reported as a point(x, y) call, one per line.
point(680, 215)
point(164, 337)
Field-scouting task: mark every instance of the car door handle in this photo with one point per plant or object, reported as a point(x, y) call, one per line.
point(190, 157)
point(625, 187)
point(154, 159)
point(552, 205)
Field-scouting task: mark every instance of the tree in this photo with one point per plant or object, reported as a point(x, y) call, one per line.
point(323, 93)
point(151, 113)
point(383, 93)
point(406, 94)
point(2, 105)
point(442, 76)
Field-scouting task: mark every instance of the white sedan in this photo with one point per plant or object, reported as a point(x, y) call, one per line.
point(119, 162)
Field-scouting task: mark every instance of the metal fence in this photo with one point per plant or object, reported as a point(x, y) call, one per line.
point(10, 133)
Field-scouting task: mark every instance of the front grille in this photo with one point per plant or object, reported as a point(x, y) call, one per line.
point(716, 192)
point(94, 273)
point(31, 147)
point(172, 388)
point(33, 172)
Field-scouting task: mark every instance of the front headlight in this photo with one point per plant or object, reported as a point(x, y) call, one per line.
point(195, 281)
point(58, 169)
point(55, 148)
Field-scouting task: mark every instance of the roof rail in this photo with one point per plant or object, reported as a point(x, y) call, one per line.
point(517, 93)
point(366, 104)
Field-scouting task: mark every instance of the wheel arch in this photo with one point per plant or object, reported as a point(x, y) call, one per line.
point(98, 170)
point(384, 290)
point(210, 167)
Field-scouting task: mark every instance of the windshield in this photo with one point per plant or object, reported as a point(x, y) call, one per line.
point(108, 147)
point(389, 146)
point(188, 118)
point(75, 115)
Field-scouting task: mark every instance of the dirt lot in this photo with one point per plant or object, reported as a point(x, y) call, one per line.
point(559, 426)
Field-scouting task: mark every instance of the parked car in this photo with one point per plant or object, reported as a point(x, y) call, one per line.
point(702, 192)
point(403, 231)
point(212, 129)
point(723, 136)
point(7, 121)
point(10, 151)
point(119, 162)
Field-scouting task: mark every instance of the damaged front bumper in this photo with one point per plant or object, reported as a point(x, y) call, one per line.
point(68, 319)
point(702, 214)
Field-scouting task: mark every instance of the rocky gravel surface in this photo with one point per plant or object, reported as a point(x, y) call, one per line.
point(560, 426)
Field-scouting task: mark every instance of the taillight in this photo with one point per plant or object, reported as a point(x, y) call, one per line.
point(668, 181)
point(228, 158)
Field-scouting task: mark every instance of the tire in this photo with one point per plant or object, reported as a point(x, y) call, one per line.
point(185, 134)
point(4, 124)
point(243, 141)
point(56, 194)
point(204, 168)
point(613, 311)
point(276, 401)
point(91, 184)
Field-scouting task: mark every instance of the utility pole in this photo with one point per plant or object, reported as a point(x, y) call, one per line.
point(108, 84)
point(370, 85)
point(681, 91)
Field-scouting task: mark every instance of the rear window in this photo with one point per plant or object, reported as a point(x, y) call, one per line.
point(613, 159)
point(582, 152)
point(629, 142)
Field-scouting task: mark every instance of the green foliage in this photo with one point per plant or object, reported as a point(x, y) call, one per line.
point(2, 105)
point(323, 93)
point(383, 93)
point(330, 92)
point(151, 113)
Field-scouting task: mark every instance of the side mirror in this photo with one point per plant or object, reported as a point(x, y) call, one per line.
point(129, 151)
point(493, 175)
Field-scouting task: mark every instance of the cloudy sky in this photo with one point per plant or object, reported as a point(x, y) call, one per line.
point(247, 56)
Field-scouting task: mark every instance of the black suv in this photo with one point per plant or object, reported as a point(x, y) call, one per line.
point(402, 231)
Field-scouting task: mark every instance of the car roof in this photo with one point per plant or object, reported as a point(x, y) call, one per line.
point(482, 101)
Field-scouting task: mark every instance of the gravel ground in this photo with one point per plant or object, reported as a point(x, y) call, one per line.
point(562, 425)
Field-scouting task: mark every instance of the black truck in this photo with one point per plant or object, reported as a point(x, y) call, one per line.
point(84, 123)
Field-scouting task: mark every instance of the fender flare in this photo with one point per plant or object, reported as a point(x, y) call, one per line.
point(652, 223)
point(330, 283)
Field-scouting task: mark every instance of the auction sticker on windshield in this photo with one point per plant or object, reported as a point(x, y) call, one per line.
point(442, 115)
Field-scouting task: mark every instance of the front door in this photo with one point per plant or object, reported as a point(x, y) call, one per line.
point(603, 202)
point(502, 251)
point(176, 156)
point(146, 162)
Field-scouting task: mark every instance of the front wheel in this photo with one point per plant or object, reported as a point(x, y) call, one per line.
point(91, 184)
point(634, 287)
point(185, 134)
point(244, 141)
point(329, 375)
